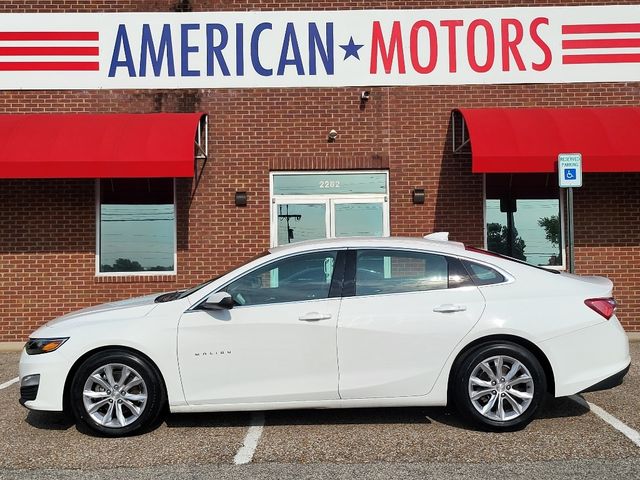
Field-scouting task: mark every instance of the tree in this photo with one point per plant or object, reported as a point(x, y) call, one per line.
point(551, 227)
point(498, 241)
point(123, 265)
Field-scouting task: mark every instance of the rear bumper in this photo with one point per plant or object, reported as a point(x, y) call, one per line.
point(590, 356)
point(609, 382)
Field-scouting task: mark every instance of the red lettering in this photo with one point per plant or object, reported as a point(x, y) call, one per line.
point(533, 31)
point(471, 46)
point(433, 47)
point(451, 25)
point(387, 56)
point(510, 46)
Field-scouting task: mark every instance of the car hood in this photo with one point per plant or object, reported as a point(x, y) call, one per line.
point(132, 308)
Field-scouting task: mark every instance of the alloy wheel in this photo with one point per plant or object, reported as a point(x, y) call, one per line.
point(114, 395)
point(501, 388)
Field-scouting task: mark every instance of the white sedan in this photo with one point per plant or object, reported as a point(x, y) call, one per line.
point(358, 322)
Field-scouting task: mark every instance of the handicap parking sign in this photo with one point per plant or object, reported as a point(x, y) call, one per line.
point(570, 170)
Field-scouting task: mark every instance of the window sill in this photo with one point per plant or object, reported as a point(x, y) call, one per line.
point(170, 278)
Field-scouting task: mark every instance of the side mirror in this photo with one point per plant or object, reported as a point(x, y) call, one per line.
point(218, 301)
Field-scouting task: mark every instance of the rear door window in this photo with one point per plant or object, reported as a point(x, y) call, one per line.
point(382, 271)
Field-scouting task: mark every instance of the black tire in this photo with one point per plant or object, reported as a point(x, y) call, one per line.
point(122, 413)
point(502, 393)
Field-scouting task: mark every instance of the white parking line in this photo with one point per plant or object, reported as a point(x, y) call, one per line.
point(623, 428)
point(245, 453)
point(9, 383)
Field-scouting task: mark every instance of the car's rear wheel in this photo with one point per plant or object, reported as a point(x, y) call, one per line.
point(116, 392)
point(499, 386)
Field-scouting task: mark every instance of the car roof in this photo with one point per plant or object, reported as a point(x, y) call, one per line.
point(370, 242)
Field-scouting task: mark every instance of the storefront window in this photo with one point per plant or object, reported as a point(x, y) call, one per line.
point(137, 225)
point(524, 218)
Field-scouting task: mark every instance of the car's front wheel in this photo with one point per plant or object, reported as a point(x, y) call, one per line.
point(116, 392)
point(499, 386)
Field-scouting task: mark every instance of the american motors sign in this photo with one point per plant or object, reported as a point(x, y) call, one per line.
point(320, 48)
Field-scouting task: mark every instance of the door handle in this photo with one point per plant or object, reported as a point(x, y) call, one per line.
point(449, 308)
point(314, 317)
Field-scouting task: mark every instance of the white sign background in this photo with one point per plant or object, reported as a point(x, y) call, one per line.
point(570, 161)
point(437, 47)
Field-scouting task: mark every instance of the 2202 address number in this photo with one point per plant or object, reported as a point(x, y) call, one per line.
point(329, 183)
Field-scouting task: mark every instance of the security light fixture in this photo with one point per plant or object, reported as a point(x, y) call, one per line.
point(241, 199)
point(331, 137)
point(418, 196)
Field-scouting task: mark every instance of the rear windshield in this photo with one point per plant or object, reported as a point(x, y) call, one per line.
point(511, 259)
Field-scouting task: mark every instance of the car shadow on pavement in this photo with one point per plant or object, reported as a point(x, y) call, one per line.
point(65, 421)
point(219, 419)
point(553, 408)
point(49, 420)
point(365, 416)
point(562, 408)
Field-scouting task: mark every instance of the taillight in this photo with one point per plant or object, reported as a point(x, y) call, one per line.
point(604, 306)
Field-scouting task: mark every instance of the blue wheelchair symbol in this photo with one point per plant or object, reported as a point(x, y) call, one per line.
point(570, 174)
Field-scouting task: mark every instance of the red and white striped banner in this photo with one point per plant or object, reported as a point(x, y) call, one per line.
point(599, 43)
point(23, 51)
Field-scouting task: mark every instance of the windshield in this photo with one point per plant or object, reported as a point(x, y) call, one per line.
point(178, 294)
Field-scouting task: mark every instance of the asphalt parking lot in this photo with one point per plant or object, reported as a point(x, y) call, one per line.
point(567, 441)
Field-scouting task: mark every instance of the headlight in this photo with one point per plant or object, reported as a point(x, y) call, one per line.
point(36, 346)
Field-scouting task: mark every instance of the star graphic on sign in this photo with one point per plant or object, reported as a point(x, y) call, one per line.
point(351, 49)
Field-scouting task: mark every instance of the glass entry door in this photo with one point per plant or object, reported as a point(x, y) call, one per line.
point(312, 219)
point(309, 206)
point(297, 222)
point(358, 218)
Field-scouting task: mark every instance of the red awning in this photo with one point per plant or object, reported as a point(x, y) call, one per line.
point(98, 146)
point(520, 140)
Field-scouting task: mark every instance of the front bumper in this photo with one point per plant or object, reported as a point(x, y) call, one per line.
point(29, 386)
point(609, 382)
point(52, 369)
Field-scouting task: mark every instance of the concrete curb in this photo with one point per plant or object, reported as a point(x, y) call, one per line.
point(634, 336)
point(11, 346)
point(17, 346)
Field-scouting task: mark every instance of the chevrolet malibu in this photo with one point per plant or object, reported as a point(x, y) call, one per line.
point(341, 323)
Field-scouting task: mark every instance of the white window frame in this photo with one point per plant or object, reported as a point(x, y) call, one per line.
point(328, 200)
point(561, 197)
point(173, 272)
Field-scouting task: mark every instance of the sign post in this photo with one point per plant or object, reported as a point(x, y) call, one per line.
point(570, 176)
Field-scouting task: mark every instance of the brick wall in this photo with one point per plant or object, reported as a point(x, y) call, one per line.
point(47, 227)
